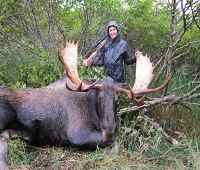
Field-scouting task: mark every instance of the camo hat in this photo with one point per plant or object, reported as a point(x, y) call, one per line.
point(112, 23)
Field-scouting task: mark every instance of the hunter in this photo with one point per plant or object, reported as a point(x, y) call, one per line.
point(113, 54)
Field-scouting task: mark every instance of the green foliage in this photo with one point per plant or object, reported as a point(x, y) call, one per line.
point(139, 134)
point(148, 30)
point(35, 73)
point(8, 7)
point(4, 79)
point(71, 23)
point(191, 40)
point(38, 73)
point(19, 154)
point(90, 73)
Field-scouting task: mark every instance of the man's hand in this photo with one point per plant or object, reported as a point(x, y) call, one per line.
point(87, 62)
point(137, 52)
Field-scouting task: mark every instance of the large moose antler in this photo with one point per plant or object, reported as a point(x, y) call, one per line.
point(144, 73)
point(69, 58)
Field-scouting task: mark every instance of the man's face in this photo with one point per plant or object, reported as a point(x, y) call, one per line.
point(112, 32)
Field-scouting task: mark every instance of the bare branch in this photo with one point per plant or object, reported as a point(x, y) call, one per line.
point(195, 14)
point(36, 25)
point(183, 47)
point(170, 99)
point(163, 100)
point(184, 17)
point(181, 54)
point(168, 137)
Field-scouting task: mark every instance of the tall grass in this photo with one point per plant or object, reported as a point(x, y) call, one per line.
point(138, 146)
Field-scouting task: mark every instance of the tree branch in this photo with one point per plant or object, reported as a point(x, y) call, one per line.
point(163, 100)
point(170, 99)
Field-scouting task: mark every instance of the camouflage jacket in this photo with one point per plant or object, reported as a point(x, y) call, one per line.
point(113, 56)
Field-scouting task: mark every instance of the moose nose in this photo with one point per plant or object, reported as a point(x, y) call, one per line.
point(110, 129)
point(108, 138)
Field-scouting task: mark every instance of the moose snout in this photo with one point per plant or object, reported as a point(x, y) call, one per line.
point(108, 138)
point(109, 129)
point(108, 134)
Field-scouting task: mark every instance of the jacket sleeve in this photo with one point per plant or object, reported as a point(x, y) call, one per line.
point(98, 60)
point(128, 59)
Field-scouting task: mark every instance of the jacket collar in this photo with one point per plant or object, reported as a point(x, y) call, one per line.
point(114, 41)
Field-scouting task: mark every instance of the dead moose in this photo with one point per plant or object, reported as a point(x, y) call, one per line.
point(70, 111)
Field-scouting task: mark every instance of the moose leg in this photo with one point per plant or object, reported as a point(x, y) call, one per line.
point(3, 151)
point(88, 139)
